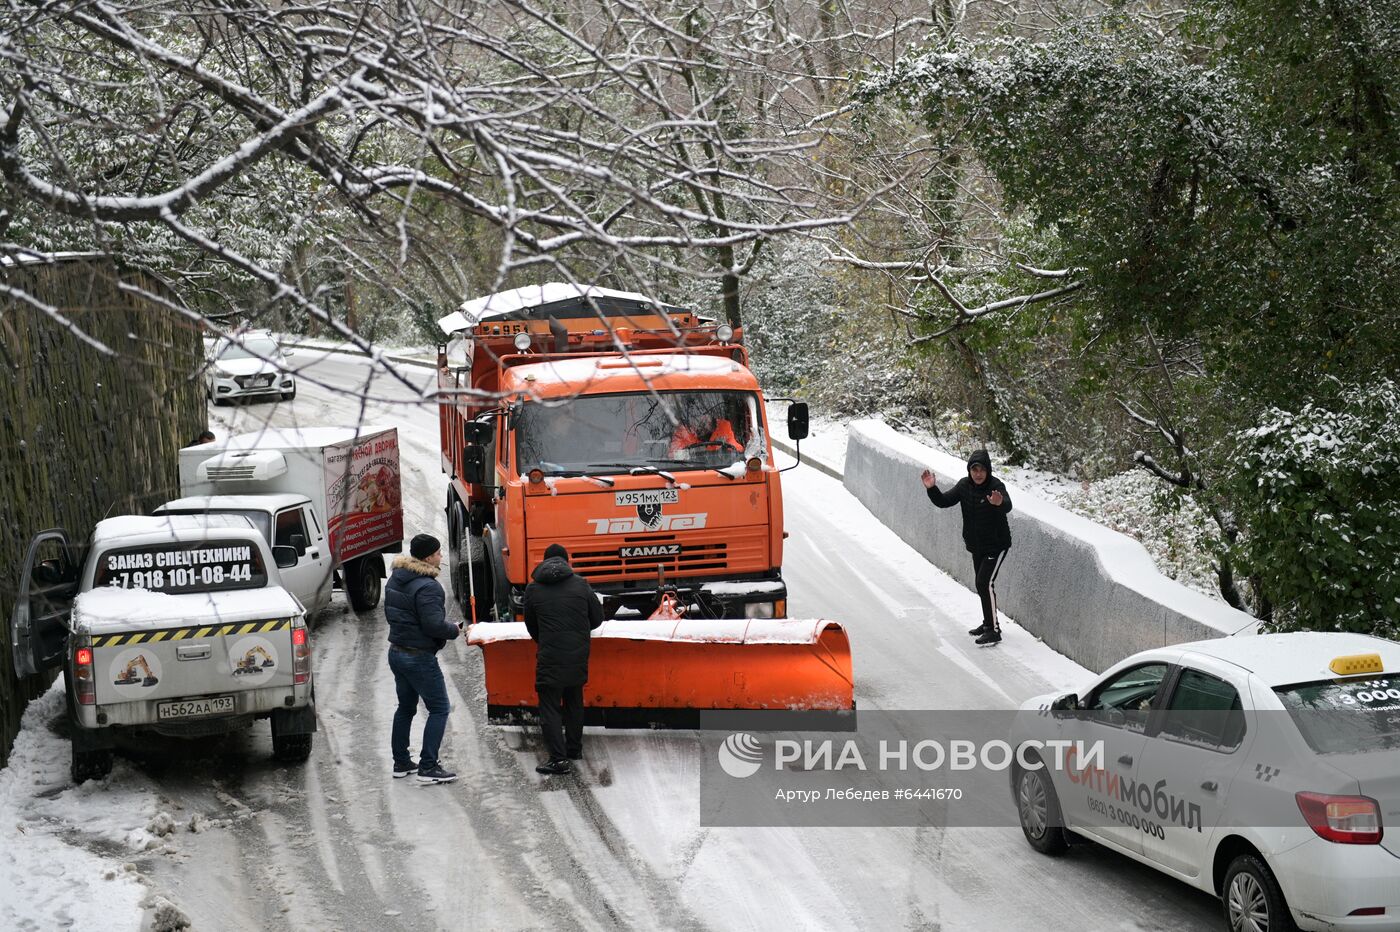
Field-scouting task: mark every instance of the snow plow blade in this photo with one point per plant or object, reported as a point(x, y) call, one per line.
point(664, 674)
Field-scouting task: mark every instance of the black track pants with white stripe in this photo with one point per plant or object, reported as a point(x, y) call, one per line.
point(986, 566)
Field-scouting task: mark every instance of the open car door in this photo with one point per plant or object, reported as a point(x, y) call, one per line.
point(48, 584)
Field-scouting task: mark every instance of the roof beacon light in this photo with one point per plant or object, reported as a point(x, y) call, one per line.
point(522, 341)
point(1356, 664)
point(724, 333)
point(754, 464)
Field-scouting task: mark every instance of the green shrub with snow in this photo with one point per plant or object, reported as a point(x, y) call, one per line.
point(1319, 490)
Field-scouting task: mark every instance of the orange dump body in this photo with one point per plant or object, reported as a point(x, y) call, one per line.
point(648, 674)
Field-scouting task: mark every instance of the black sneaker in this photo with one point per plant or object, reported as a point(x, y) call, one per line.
point(991, 636)
point(435, 774)
point(979, 630)
point(555, 768)
point(405, 770)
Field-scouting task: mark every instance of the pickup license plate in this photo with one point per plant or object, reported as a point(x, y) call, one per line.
point(193, 708)
point(648, 497)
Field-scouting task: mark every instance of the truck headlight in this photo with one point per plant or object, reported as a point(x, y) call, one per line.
point(758, 610)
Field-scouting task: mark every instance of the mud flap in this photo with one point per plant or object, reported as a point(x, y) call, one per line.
point(300, 721)
point(648, 674)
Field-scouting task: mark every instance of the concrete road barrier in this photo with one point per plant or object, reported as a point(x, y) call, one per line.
point(1090, 593)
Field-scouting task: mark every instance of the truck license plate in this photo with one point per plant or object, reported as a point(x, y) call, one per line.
point(648, 497)
point(191, 708)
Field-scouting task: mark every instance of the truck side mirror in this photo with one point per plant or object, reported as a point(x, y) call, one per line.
point(298, 543)
point(285, 557)
point(474, 464)
point(797, 420)
point(477, 432)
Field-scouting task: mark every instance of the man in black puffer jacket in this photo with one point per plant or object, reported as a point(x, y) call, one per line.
point(416, 609)
point(561, 612)
point(986, 533)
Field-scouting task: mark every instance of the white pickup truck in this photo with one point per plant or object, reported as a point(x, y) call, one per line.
point(331, 493)
point(176, 624)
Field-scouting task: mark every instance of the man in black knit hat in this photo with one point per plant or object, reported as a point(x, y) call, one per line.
point(986, 532)
point(561, 612)
point(416, 609)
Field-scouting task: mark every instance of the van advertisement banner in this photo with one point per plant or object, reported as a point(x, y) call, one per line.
point(364, 496)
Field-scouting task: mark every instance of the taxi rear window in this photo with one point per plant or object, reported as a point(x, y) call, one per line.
point(1346, 716)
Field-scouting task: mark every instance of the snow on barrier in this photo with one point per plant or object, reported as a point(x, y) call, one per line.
point(1090, 593)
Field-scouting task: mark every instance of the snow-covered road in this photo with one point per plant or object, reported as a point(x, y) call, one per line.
point(338, 845)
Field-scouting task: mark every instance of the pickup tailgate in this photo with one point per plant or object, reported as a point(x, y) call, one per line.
point(204, 644)
point(168, 663)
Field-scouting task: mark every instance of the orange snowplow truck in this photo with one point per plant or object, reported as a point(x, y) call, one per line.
point(635, 435)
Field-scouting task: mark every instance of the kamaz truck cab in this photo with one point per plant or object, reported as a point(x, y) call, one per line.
point(634, 434)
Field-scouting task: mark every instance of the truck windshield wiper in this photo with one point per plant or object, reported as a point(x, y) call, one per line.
point(641, 469)
point(691, 465)
point(555, 471)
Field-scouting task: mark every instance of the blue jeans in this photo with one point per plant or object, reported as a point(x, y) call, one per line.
point(418, 676)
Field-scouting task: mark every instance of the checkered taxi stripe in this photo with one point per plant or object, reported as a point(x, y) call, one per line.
point(184, 634)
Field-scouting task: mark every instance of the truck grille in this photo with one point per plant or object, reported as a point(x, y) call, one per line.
point(741, 550)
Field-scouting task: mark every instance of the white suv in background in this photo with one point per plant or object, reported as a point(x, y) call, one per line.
point(246, 365)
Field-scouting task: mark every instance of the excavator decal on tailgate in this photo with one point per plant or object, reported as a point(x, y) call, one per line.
point(254, 660)
point(132, 672)
point(180, 634)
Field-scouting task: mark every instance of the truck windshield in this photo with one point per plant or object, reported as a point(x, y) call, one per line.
point(611, 433)
point(1346, 716)
point(183, 566)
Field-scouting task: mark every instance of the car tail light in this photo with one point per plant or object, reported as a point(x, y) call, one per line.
point(1346, 820)
point(301, 656)
point(83, 685)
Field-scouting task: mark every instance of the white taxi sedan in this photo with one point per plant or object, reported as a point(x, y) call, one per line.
point(1261, 769)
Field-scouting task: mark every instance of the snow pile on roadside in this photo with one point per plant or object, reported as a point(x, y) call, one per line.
point(46, 880)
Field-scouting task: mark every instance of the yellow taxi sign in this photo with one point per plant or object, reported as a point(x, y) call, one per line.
point(1354, 664)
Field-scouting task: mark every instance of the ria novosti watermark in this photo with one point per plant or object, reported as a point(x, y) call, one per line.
point(1136, 771)
point(743, 755)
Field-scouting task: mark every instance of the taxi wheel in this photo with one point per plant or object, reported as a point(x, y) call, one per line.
point(1252, 899)
point(1039, 811)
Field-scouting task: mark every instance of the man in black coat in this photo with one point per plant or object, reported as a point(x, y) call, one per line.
point(561, 612)
point(986, 533)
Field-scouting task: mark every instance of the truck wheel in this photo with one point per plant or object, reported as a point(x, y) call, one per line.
point(90, 765)
point(1039, 810)
point(485, 587)
point(291, 749)
point(456, 529)
point(1251, 898)
point(363, 585)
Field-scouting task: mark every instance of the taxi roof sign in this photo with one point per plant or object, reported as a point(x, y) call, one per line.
point(1354, 664)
